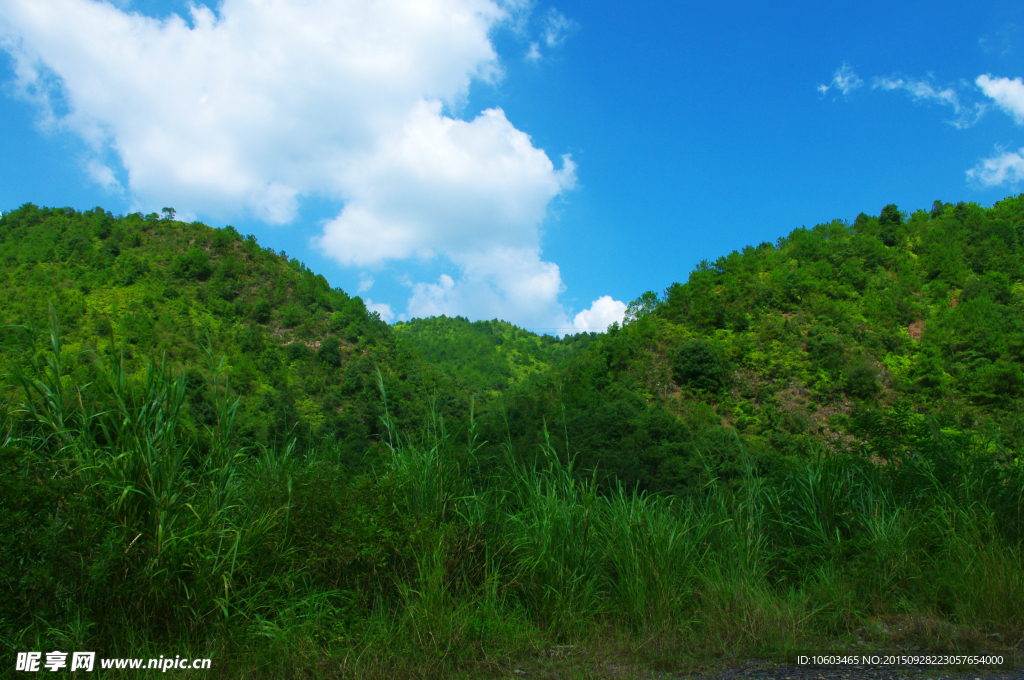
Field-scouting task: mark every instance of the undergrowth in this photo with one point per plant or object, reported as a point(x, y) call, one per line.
point(125, 533)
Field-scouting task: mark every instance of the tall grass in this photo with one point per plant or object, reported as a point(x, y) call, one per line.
point(164, 530)
point(126, 530)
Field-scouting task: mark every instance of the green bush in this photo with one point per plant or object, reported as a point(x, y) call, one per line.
point(292, 315)
point(700, 365)
point(860, 378)
point(261, 311)
point(825, 348)
point(328, 351)
point(192, 265)
point(295, 351)
point(997, 382)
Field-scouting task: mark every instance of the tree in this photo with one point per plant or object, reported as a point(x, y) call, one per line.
point(890, 222)
point(261, 311)
point(641, 307)
point(700, 365)
point(328, 351)
point(891, 215)
point(861, 378)
point(192, 264)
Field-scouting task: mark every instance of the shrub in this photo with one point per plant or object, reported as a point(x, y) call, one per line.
point(295, 351)
point(261, 311)
point(700, 365)
point(997, 382)
point(861, 378)
point(826, 349)
point(292, 315)
point(328, 351)
point(194, 264)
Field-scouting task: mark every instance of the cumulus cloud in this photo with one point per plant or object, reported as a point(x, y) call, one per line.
point(925, 91)
point(602, 313)
point(844, 80)
point(514, 284)
point(250, 108)
point(365, 283)
point(446, 186)
point(1007, 167)
point(1008, 94)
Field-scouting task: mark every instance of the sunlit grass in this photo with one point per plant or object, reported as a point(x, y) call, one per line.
point(130, 534)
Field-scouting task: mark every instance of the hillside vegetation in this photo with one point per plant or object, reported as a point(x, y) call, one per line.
point(207, 451)
point(804, 344)
point(487, 356)
point(149, 289)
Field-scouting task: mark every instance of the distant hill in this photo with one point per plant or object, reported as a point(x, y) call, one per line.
point(487, 356)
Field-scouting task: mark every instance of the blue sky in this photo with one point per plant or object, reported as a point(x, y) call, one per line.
point(539, 163)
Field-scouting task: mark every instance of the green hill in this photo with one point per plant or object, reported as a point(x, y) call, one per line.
point(803, 344)
point(488, 356)
point(152, 289)
point(812, 446)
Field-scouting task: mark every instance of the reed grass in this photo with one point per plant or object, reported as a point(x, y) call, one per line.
point(129, 533)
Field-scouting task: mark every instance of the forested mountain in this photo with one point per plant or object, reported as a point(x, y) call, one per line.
point(805, 343)
point(813, 445)
point(791, 345)
point(152, 289)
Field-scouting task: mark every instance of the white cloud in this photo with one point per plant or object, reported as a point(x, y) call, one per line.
point(1005, 168)
point(1008, 94)
point(513, 284)
point(533, 54)
point(251, 108)
point(102, 175)
point(923, 90)
point(447, 187)
point(602, 313)
point(382, 308)
point(365, 283)
point(844, 80)
point(557, 28)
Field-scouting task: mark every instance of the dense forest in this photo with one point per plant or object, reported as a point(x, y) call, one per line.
point(810, 444)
